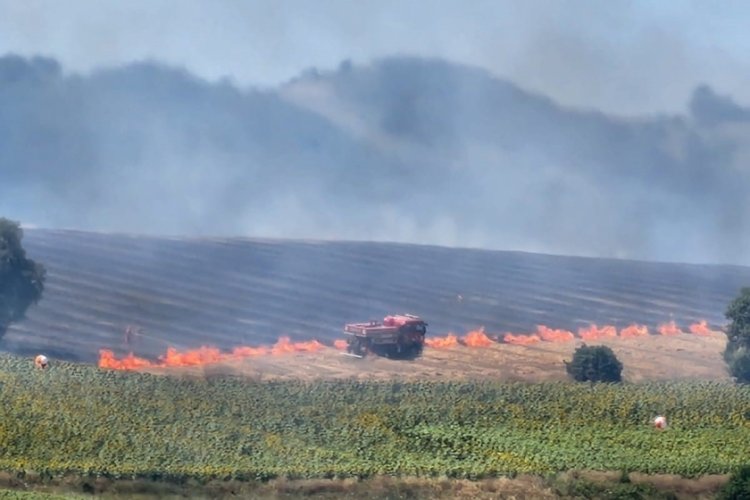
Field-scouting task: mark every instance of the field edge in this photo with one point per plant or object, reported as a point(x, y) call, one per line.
point(570, 484)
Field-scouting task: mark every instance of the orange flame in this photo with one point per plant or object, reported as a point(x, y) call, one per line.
point(700, 328)
point(285, 346)
point(204, 355)
point(449, 340)
point(669, 329)
point(477, 338)
point(634, 331)
point(552, 335)
point(521, 339)
point(339, 344)
point(107, 359)
point(595, 333)
point(249, 352)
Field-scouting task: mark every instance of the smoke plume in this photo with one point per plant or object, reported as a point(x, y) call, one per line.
point(402, 149)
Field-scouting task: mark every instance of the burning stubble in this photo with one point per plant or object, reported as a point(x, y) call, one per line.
point(477, 338)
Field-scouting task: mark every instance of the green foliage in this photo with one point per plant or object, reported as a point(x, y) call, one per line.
point(738, 486)
point(737, 351)
point(624, 490)
point(21, 279)
point(738, 312)
point(594, 364)
point(739, 364)
point(79, 419)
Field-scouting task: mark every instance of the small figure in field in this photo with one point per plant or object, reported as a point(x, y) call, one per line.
point(660, 423)
point(41, 362)
point(131, 332)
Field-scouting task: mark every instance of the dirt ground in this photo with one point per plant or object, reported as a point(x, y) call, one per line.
point(378, 487)
point(655, 357)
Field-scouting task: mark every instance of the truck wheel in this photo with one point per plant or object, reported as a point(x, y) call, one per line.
point(356, 347)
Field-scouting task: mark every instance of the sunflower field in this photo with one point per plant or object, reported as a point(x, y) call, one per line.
point(78, 419)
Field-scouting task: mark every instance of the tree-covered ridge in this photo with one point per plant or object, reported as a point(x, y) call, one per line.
point(21, 279)
point(75, 418)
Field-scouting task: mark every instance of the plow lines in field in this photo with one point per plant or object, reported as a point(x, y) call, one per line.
point(226, 293)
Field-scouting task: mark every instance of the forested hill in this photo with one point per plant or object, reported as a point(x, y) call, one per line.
point(400, 149)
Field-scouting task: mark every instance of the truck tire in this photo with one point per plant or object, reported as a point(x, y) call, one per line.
point(357, 347)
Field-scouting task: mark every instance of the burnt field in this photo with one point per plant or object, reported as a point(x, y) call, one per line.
point(228, 292)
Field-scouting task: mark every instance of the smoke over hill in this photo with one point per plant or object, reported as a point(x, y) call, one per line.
point(402, 149)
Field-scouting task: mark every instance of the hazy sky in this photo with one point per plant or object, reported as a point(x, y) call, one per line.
point(628, 57)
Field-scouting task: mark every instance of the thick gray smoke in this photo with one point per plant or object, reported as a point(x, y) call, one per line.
point(403, 149)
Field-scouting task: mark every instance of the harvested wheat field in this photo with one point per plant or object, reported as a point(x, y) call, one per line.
point(651, 358)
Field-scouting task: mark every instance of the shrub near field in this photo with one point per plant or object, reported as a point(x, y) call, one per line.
point(79, 419)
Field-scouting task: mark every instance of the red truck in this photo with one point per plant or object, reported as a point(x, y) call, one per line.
point(399, 335)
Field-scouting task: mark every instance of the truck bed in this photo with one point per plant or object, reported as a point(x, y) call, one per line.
point(370, 330)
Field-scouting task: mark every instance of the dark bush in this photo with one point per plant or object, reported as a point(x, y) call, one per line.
point(594, 364)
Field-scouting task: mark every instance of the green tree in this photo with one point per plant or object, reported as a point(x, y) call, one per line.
point(738, 333)
point(737, 351)
point(738, 487)
point(594, 364)
point(738, 362)
point(21, 279)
